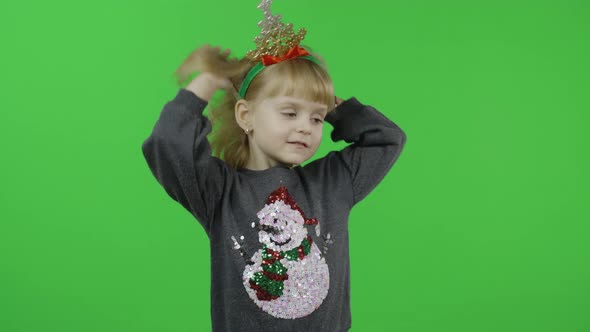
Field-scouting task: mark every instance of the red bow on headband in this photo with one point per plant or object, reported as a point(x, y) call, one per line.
point(293, 53)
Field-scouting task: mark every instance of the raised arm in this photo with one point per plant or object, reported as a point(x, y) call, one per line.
point(179, 155)
point(377, 144)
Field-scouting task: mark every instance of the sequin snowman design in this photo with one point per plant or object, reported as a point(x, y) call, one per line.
point(288, 278)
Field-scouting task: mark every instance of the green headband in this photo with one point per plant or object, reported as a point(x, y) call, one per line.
point(258, 68)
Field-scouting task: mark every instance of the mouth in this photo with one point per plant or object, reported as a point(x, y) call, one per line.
point(274, 231)
point(280, 243)
point(301, 144)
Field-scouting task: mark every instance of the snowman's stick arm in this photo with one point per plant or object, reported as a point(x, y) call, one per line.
point(243, 253)
point(246, 256)
point(326, 242)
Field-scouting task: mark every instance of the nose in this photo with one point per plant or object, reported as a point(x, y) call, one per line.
point(304, 126)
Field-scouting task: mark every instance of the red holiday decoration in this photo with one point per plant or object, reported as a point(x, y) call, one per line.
point(294, 52)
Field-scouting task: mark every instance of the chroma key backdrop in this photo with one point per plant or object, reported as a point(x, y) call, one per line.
point(480, 226)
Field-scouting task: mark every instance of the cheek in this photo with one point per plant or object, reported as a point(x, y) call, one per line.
point(317, 134)
point(276, 132)
point(271, 126)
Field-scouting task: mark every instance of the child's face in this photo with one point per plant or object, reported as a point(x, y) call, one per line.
point(277, 122)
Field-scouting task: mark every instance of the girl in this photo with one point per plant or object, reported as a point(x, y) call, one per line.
point(270, 270)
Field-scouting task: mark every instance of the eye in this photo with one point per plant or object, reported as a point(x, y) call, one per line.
point(288, 114)
point(318, 120)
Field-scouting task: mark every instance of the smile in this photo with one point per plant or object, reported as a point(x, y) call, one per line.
point(299, 145)
point(273, 230)
point(280, 243)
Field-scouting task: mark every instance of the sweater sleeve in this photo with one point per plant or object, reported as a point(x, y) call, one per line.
point(179, 157)
point(377, 144)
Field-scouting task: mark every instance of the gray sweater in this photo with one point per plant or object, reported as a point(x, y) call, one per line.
point(278, 237)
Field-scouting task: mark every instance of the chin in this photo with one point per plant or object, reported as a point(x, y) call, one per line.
point(297, 161)
point(294, 161)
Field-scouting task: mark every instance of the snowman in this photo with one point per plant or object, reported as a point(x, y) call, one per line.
point(288, 277)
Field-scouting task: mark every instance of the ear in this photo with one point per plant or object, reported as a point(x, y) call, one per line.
point(243, 114)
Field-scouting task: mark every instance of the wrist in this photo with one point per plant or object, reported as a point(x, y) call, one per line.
point(203, 86)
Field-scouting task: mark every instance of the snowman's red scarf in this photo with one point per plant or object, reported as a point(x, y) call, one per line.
point(271, 260)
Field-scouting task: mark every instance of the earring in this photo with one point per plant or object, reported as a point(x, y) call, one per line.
point(247, 130)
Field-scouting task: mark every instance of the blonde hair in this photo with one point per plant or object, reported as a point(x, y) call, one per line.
point(296, 77)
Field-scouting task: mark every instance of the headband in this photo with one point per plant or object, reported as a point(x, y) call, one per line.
point(258, 68)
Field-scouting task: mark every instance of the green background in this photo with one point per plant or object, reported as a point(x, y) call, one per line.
point(480, 225)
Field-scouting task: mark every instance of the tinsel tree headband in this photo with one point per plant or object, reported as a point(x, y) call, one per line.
point(277, 42)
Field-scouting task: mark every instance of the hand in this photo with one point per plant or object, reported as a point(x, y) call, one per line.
point(217, 81)
point(204, 59)
point(206, 84)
